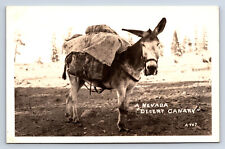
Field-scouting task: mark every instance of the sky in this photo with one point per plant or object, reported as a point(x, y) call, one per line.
point(38, 24)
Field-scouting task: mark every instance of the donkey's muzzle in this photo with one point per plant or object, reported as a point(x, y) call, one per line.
point(151, 70)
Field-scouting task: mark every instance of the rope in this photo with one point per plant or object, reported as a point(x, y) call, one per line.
point(96, 90)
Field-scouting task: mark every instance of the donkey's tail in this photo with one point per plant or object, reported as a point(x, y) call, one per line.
point(68, 60)
point(64, 73)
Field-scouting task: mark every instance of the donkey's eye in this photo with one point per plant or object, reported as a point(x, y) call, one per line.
point(143, 45)
point(158, 44)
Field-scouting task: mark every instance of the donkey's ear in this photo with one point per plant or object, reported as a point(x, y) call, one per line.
point(160, 27)
point(135, 32)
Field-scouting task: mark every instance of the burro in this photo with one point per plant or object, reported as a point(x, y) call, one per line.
point(122, 75)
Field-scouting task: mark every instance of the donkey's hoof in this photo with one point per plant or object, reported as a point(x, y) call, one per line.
point(67, 115)
point(124, 130)
point(75, 121)
point(69, 120)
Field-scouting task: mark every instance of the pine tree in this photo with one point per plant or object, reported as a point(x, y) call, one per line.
point(175, 49)
point(189, 43)
point(55, 55)
point(19, 42)
point(204, 40)
point(196, 44)
point(184, 44)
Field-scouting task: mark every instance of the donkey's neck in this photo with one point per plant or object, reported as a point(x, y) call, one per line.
point(131, 61)
point(134, 56)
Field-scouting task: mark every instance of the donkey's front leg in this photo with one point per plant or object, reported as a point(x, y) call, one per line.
point(122, 112)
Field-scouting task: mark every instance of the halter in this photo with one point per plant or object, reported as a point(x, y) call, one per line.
point(151, 59)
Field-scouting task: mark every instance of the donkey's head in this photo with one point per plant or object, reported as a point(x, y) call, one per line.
point(149, 44)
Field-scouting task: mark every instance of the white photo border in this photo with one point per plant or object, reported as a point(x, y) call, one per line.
point(10, 111)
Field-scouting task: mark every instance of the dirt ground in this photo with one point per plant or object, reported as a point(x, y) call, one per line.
point(40, 95)
point(40, 111)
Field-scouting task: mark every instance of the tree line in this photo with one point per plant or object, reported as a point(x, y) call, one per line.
point(179, 47)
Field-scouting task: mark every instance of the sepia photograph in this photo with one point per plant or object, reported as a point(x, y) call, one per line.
point(112, 74)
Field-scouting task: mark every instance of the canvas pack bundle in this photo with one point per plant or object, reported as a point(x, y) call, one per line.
point(95, 51)
point(100, 42)
point(87, 67)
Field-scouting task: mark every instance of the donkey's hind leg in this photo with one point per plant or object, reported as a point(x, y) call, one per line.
point(76, 84)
